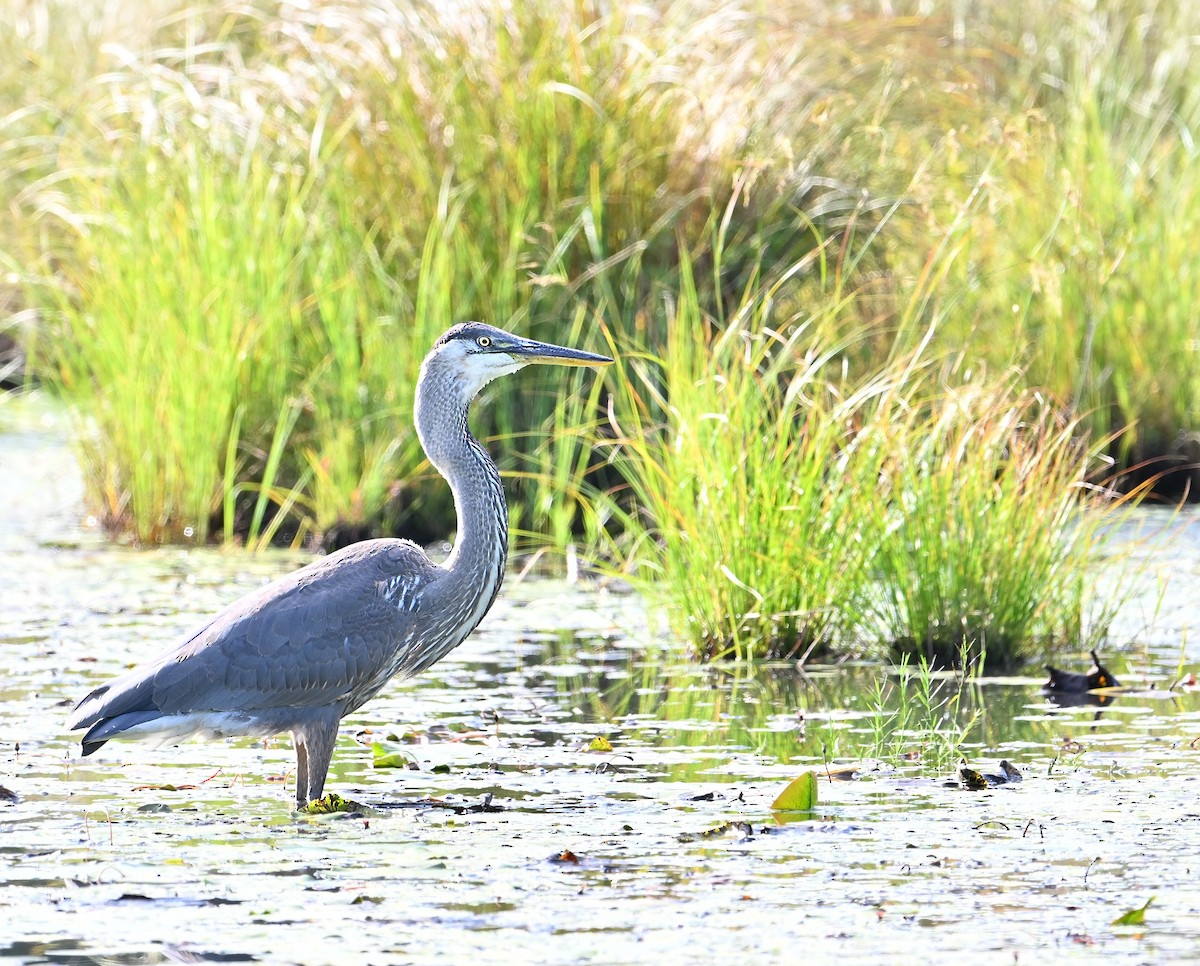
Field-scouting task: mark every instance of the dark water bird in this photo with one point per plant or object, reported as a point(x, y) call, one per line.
point(1073, 682)
point(303, 652)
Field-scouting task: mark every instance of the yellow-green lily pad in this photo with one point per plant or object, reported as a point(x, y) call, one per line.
point(384, 756)
point(799, 796)
point(1134, 917)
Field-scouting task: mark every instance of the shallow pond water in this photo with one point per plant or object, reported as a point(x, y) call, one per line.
point(513, 837)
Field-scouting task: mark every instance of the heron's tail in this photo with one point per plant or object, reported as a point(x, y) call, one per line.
point(115, 727)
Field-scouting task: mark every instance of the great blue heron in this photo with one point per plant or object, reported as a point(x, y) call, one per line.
point(303, 652)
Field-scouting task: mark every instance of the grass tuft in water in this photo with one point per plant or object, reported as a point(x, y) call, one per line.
point(988, 528)
point(786, 507)
point(919, 715)
point(748, 481)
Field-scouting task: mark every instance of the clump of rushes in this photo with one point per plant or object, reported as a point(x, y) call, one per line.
point(987, 529)
point(169, 338)
point(751, 481)
point(225, 307)
point(785, 506)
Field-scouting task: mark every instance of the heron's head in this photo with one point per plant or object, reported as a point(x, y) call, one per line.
point(475, 354)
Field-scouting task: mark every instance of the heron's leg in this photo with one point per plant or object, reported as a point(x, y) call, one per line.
point(298, 739)
point(314, 750)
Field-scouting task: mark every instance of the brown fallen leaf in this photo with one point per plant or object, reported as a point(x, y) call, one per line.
point(842, 773)
point(566, 856)
point(162, 788)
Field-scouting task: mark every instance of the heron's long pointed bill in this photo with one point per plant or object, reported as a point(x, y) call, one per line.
point(558, 355)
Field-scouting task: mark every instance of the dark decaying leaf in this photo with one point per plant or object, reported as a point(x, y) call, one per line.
point(971, 779)
point(977, 781)
point(1098, 676)
point(744, 830)
point(848, 773)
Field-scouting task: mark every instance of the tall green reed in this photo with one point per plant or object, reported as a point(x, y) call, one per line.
point(789, 502)
point(988, 529)
point(921, 715)
point(185, 283)
point(748, 480)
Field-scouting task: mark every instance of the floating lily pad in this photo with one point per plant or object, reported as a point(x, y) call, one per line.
point(387, 756)
point(1134, 917)
point(799, 796)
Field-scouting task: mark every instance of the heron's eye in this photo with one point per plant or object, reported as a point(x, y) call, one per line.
point(483, 342)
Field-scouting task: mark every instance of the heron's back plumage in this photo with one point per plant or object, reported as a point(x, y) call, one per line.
point(329, 634)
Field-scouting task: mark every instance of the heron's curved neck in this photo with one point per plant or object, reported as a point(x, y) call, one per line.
point(475, 567)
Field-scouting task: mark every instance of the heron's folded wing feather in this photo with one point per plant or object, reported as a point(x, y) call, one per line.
point(307, 640)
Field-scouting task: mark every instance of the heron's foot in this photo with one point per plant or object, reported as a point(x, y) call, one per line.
point(331, 804)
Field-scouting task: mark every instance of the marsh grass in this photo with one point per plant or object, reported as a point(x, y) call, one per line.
point(1077, 270)
point(169, 335)
point(1083, 253)
point(367, 345)
point(787, 504)
point(747, 481)
point(921, 715)
point(988, 528)
point(437, 185)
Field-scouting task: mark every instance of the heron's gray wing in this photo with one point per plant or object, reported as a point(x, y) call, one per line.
point(316, 637)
